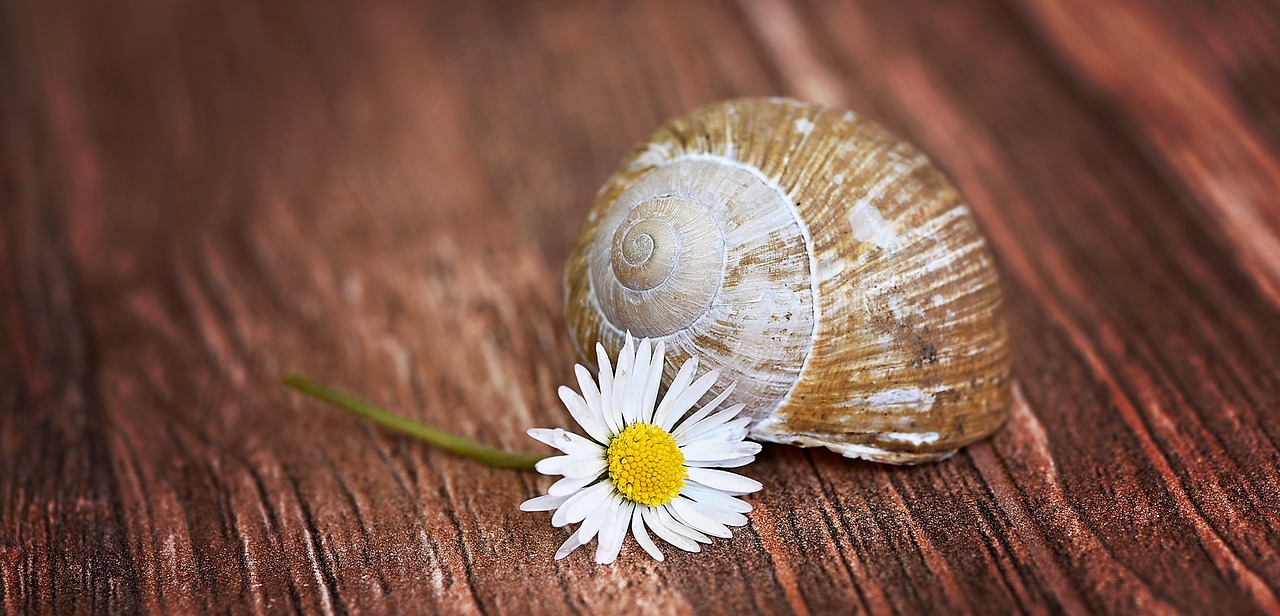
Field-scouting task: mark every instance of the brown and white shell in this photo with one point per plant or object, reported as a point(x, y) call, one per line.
point(826, 266)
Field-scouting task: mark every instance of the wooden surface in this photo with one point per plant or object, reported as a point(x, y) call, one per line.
point(197, 197)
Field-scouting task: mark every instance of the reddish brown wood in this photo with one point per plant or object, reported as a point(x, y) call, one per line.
point(196, 198)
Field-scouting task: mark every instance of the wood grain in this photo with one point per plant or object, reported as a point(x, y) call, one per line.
point(199, 197)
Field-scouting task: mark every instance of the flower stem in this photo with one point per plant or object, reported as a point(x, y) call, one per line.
point(500, 458)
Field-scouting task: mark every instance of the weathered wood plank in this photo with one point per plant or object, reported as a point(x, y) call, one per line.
point(198, 198)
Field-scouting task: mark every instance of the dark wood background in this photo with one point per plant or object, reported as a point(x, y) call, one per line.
point(196, 197)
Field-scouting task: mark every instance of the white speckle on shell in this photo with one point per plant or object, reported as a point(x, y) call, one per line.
point(941, 262)
point(804, 126)
point(911, 437)
point(829, 270)
point(895, 307)
point(903, 398)
point(868, 225)
point(898, 399)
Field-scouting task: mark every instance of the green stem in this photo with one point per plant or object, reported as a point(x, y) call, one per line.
point(448, 442)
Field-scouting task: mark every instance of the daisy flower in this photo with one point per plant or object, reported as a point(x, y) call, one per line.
point(645, 465)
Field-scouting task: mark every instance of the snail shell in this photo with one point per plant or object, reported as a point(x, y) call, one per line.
point(825, 265)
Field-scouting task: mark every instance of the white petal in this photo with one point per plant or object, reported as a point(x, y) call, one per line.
point(678, 385)
point(574, 542)
point(585, 467)
point(613, 532)
point(714, 498)
point(696, 426)
point(723, 516)
point(712, 451)
point(706, 409)
point(666, 533)
point(598, 516)
point(628, 341)
point(657, 364)
point(571, 466)
point(610, 413)
point(552, 465)
point(567, 442)
point(639, 379)
point(688, 398)
point(622, 381)
point(724, 480)
point(642, 536)
point(734, 463)
point(688, 512)
point(543, 503)
point(591, 394)
point(664, 513)
point(732, 432)
point(581, 413)
point(576, 508)
point(655, 522)
point(568, 485)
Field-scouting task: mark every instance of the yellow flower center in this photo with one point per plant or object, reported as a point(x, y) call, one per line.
point(645, 465)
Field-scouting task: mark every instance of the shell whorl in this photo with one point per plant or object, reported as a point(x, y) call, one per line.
point(661, 266)
point(645, 251)
point(826, 266)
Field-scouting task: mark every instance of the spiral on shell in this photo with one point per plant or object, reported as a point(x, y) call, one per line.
point(826, 266)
